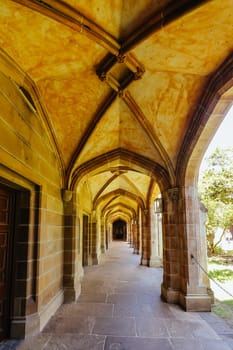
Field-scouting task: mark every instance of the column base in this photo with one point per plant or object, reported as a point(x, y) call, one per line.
point(72, 286)
point(93, 260)
point(211, 294)
point(145, 262)
point(71, 294)
point(170, 295)
point(189, 302)
point(156, 262)
point(103, 249)
point(195, 302)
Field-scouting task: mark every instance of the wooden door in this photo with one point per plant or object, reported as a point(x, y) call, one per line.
point(6, 225)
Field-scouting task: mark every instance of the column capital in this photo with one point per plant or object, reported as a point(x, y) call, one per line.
point(66, 195)
point(93, 214)
point(174, 194)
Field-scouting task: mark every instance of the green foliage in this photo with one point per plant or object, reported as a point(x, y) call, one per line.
point(221, 311)
point(217, 261)
point(222, 276)
point(216, 193)
point(218, 250)
point(217, 180)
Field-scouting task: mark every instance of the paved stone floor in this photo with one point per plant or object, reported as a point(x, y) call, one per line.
point(120, 309)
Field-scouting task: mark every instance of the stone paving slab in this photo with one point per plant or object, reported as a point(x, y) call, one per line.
point(192, 329)
point(229, 342)
point(9, 344)
point(132, 343)
point(76, 324)
point(84, 342)
point(120, 309)
point(126, 299)
point(196, 344)
point(151, 327)
point(158, 310)
point(122, 326)
point(65, 342)
point(92, 297)
point(86, 309)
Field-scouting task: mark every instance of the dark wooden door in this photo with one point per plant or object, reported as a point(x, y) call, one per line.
point(6, 225)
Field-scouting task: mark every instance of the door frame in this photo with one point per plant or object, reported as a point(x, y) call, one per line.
point(24, 317)
point(9, 260)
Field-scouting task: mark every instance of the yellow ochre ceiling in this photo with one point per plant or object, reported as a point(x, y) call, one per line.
point(118, 74)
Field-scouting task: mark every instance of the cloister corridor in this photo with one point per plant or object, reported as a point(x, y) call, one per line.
point(120, 309)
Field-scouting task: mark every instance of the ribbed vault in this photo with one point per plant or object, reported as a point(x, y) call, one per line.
point(124, 88)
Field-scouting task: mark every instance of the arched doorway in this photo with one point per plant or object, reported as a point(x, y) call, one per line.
point(119, 230)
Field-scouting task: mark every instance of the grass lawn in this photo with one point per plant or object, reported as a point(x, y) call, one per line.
point(221, 275)
point(221, 270)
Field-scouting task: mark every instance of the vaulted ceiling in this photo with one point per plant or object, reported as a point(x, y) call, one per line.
point(118, 75)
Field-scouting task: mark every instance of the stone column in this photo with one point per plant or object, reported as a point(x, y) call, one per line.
point(170, 288)
point(146, 238)
point(194, 293)
point(107, 234)
point(131, 234)
point(156, 241)
point(93, 242)
point(203, 250)
point(73, 270)
point(102, 235)
point(135, 236)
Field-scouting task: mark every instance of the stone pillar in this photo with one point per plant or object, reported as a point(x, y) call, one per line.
point(194, 293)
point(156, 241)
point(146, 238)
point(102, 235)
point(73, 270)
point(107, 234)
point(130, 234)
point(135, 236)
point(93, 259)
point(170, 288)
point(203, 250)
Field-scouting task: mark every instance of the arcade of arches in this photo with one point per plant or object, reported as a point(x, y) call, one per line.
point(105, 107)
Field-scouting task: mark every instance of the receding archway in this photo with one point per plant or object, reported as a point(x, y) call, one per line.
point(208, 116)
point(85, 240)
point(119, 230)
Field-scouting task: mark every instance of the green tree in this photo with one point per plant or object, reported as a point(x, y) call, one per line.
point(216, 193)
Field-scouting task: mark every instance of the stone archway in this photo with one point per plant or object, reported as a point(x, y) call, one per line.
point(193, 285)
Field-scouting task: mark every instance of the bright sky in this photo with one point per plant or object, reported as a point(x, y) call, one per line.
point(223, 137)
